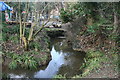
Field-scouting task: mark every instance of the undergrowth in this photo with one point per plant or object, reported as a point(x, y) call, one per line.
point(25, 60)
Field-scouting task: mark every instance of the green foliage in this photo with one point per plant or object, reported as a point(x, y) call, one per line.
point(43, 58)
point(60, 76)
point(113, 37)
point(92, 61)
point(29, 62)
point(92, 28)
point(13, 65)
point(31, 52)
point(27, 32)
point(5, 76)
point(92, 54)
point(14, 38)
point(12, 33)
point(116, 62)
point(46, 40)
point(4, 37)
point(35, 45)
point(76, 10)
point(66, 15)
point(25, 61)
point(8, 31)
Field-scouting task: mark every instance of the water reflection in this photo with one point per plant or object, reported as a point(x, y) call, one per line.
point(64, 61)
point(53, 66)
point(17, 76)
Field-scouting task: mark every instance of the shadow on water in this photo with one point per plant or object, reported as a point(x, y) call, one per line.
point(64, 61)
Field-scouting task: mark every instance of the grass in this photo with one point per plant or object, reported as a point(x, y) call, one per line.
point(92, 61)
point(35, 46)
point(116, 62)
point(59, 76)
point(92, 54)
point(14, 38)
point(10, 33)
point(25, 61)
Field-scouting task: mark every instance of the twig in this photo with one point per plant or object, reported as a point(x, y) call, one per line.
point(41, 27)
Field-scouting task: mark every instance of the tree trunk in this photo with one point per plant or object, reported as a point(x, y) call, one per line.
point(25, 17)
point(46, 10)
point(115, 23)
point(20, 23)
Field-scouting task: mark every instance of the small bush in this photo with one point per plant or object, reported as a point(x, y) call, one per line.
point(25, 61)
point(13, 65)
point(35, 45)
point(66, 16)
point(29, 62)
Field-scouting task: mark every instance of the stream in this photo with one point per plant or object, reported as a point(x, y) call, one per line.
point(65, 61)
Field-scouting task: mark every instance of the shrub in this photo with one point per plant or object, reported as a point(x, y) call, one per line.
point(25, 61)
point(13, 65)
point(66, 16)
point(35, 45)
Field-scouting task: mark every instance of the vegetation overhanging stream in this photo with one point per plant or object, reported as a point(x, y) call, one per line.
point(30, 49)
point(64, 58)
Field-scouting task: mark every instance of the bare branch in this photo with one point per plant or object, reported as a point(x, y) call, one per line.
point(41, 27)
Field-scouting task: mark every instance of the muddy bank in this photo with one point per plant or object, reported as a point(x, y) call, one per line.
point(64, 58)
point(81, 40)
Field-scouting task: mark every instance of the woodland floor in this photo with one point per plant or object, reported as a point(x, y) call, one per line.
point(107, 70)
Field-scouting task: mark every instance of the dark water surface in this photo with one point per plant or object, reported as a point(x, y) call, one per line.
point(64, 61)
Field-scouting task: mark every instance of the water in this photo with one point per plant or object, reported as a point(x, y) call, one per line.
point(64, 61)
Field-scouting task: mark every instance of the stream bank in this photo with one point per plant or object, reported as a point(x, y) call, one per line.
point(45, 52)
point(64, 58)
point(14, 54)
point(94, 46)
point(76, 43)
